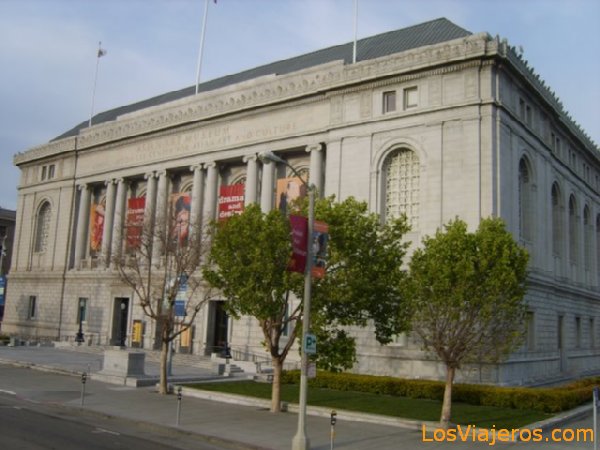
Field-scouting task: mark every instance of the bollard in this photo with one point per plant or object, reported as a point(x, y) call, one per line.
point(83, 380)
point(178, 406)
point(333, 421)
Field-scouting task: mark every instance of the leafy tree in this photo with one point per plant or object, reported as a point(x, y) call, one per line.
point(467, 292)
point(248, 263)
point(162, 260)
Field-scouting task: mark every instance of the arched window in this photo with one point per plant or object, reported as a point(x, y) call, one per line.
point(402, 178)
point(42, 227)
point(573, 231)
point(587, 238)
point(557, 222)
point(526, 204)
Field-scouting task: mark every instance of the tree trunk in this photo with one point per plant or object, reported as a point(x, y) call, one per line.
point(276, 388)
point(447, 404)
point(164, 351)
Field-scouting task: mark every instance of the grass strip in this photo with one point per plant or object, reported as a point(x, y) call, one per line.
point(387, 405)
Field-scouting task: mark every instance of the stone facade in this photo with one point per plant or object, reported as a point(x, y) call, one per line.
point(476, 130)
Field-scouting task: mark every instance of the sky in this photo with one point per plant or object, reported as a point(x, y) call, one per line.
point(48, 51)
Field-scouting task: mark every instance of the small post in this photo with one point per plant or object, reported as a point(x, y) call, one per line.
point(333, 421)
point(596, 406)
point(178, 405)
point(83, 380)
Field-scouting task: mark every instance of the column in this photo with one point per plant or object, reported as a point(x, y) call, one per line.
point(316, 166)
point(108, 220)
point(82, 223)
point(251, 179)
point(149, 204)
point(160, 219)
point(266, 191)
point(197, 197)
point(210, 201)
point(118, 223)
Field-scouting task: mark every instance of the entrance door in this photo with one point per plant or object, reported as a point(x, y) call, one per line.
point(120, 315)
point(216, 337)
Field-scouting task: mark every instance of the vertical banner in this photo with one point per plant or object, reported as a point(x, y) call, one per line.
point(299, 231)
point(135, 222)
point(2, 289)
point(289, 190)
point(180, 228)
point(320, 239)
point(231, 200)
point(136, 333)
point(97, 225)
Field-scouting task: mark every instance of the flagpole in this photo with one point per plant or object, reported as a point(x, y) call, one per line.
point(99, 55)
point(355, 28)
point(201, 49)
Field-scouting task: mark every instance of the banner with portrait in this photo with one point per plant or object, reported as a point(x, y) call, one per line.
point(97, 225)
point(320, 240)
point(134, 222)
point(181, 204)
point(231, 200)
point(289, 190)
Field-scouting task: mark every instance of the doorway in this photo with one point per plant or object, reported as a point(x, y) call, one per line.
point(120, 315)
point(216, 337)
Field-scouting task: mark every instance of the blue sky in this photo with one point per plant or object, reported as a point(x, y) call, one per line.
point(48, 49)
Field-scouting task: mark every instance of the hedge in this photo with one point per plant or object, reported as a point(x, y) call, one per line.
point(549, 400)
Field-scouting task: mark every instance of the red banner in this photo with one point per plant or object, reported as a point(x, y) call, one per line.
point(231, 200)
point(134, 222)
point(299, 229)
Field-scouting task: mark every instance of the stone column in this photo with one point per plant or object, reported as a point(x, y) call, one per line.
point(160, 219)
point(316, 167)
point(266, 191)
point(83, 218)
point(149, 205)
point(119, 219)
point(211, 193)
point(251, 179)
point(108, 221)
point(197, 199)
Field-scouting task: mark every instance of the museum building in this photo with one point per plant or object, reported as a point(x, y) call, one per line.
point(432, 121)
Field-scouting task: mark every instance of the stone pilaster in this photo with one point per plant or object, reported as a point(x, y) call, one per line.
point(83, 217)
point(197, 199)
point(251, 179)
point(108, 220)
point(119, 219)
point(211, 192)
point(316, 166)
point(266, 191)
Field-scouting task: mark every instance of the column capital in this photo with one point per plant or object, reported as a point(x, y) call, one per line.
point(314, 147)
point(82, 186)
point(198, 166)
point(149, 175)
point(161, 173)
point(248, 158)
point(210, 165)
point(109, 182)
point(121, 181)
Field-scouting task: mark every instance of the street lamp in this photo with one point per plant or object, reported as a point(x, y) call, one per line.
point(300, 440)
point(79, 337)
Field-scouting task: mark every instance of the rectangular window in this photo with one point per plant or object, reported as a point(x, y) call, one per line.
point(530, 336)
point(411, 97)
point(44, 169)
point(592, 334)
point(389, 101)
point(577, 332)
point(51, 169)
point(31, 308)
point(528, 115)
point(522, 108)
point(82, 309)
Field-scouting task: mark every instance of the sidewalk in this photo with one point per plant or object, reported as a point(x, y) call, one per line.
point(251, 427)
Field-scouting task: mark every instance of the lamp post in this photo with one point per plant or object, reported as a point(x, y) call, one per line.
point(79, 336)
point(300, 440)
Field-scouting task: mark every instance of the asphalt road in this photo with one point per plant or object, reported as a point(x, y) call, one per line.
point(32, 425)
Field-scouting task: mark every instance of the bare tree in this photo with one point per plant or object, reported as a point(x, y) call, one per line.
point(161, 264)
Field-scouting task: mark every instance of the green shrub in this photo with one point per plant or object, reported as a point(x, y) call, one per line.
point(549, 400)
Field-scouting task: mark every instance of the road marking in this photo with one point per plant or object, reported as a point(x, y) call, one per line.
point(102, 430)
point(2, 391)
